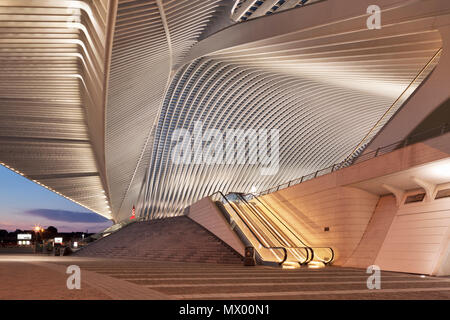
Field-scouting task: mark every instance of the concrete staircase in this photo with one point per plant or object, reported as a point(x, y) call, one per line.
point(176, 239)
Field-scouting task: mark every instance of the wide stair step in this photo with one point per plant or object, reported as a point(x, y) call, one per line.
point(176, 239)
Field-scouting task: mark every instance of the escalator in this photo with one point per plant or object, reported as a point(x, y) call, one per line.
point(292, 239)
point(259, 227)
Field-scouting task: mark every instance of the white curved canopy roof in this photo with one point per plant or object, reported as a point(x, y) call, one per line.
point(91, 92)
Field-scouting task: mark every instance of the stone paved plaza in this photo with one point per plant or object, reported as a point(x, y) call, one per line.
point(44, 277)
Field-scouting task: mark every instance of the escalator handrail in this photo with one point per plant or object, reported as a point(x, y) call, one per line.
point(332, 254)
point(248, 227)
point(309, 251)
point(309, 254)
point(312, 248)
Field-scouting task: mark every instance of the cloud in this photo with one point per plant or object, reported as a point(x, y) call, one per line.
point(82, 227)
point(67, 216)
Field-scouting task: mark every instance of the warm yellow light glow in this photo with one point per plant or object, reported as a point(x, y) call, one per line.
point(440, 170)
point(290, 265)
point(316, 265)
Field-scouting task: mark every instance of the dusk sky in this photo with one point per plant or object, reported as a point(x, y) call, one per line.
point(24, 204)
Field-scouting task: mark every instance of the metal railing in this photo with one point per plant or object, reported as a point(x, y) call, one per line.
point(418, 137)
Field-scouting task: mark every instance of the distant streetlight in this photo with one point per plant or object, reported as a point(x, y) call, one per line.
point(37, 229)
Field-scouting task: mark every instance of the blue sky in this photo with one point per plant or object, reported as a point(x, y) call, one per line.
point(24, 204)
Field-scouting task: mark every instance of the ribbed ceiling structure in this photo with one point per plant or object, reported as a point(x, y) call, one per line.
point(249, 9)
point(52, 62)
point(150, 38)
point(325, 87)
point(92, 91)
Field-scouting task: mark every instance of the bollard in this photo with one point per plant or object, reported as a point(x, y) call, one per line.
point(249, 257)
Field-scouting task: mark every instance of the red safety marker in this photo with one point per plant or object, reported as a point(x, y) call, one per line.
point(133, 214)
